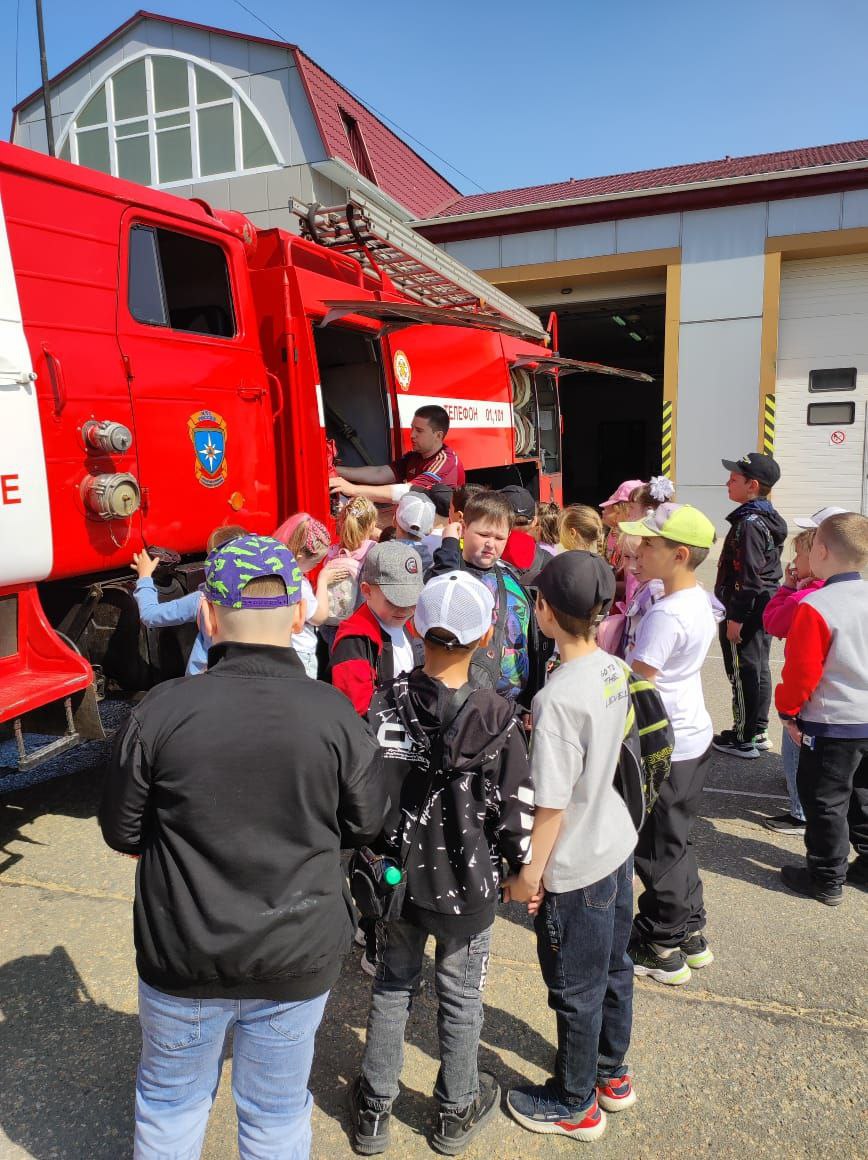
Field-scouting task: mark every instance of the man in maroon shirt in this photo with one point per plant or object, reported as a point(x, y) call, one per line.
point(431, 461)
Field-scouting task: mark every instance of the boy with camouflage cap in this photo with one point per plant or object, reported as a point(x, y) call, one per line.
point(237, 790)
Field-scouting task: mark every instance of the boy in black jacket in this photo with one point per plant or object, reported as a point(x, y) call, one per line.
point(463, 801)
point(236, 790)
point(748, 573)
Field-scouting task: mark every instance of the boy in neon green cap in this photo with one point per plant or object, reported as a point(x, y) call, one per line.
point(671, 646)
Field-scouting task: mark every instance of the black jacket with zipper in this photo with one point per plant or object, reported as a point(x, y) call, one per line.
point(476, 810)
point(238, 788)
point(749, 569)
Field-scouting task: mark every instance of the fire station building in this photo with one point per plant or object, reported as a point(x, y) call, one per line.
point(741, 284)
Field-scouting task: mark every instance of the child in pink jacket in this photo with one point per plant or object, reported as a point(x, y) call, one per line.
point(777, 620)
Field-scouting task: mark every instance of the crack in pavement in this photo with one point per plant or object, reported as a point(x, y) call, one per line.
point(62, 888)
point(839, 1020)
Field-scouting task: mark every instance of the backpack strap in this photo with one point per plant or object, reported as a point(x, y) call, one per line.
point(435, 759)
point(486, 661)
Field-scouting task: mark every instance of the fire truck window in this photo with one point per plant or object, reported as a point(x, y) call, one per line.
point(549, 424)
point(196, 279)
point(179, 282)
point(146, 289)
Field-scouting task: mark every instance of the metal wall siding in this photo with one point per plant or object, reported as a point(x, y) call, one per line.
point(717, 406)
point(823, 323)
point(805, 215)
point(723, 263)
point(585, 241)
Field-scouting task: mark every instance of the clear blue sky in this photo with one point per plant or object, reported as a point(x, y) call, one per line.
point(516, 93)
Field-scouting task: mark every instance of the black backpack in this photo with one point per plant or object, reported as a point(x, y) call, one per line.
point(645, 760)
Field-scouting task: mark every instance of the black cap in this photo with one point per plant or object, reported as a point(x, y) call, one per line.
point(440, 495)
point(576, 582)
point(755, 466)
point(520, 500)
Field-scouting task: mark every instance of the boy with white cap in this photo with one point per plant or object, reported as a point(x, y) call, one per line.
point(459, 782)
point(414, 519)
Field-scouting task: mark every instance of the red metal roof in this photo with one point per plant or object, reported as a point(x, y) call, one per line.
point(757, 165)
point(399, 169)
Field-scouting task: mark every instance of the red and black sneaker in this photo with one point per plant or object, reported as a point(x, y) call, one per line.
point(539, 1108)
point(616, 1094)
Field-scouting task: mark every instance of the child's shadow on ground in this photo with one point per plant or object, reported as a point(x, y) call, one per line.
point(342, 1035)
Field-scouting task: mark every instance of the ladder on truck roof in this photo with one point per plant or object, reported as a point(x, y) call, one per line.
point(414, 265)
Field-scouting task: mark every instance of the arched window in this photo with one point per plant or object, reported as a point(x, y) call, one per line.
point(165, 118)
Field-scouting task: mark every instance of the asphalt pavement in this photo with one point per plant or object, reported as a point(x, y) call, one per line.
point(762, 1054)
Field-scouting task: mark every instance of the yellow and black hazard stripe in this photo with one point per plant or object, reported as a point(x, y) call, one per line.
point(769, 425)
point(666, 446)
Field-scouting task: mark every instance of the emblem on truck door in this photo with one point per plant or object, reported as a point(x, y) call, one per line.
point(208, 435)
point(403, 373)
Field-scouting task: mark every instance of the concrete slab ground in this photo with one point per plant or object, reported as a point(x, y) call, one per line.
point(761, 1055)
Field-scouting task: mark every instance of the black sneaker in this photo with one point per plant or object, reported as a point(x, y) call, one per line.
point(453, 1131)
point(800, 881)
point(857, 872)
point(697, 953)
point(664, 964)
point(785, 824)
point(727, 742)
point(370, 1127)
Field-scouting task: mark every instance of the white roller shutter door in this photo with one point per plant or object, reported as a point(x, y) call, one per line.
point(823, 325)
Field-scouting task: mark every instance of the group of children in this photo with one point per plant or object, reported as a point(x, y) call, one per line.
point(475, 621)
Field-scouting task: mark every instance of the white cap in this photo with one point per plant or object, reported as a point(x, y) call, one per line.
point(817, 518)
point(458, 603)
point(415, 513)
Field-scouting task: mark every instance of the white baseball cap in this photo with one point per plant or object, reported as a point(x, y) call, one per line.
point(817, 518)
point(415, 513)
point(458, 603)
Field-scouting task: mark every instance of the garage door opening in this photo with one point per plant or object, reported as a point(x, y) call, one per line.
point(612, 426)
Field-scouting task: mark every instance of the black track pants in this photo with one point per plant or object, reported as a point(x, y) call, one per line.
point(833, 788)
point(671, 906)
point(747, 666)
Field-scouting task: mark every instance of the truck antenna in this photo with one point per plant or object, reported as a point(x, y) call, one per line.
point(46, 91)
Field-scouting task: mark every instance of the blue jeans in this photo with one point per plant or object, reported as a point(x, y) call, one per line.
point(582, 938)
point(460, 967)
point(790, 759)
point(183, 1042)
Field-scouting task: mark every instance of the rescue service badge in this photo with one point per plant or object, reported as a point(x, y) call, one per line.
point(207, 432)
point(403, 374)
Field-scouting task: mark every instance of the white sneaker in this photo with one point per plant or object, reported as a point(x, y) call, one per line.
point(367, 966)
point(359, 937)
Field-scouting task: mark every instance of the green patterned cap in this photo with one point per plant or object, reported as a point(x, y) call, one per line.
point(233, 565)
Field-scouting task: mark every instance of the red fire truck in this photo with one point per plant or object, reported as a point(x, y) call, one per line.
point(167, 368)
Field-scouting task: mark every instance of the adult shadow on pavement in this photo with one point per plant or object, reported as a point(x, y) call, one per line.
point(74, 796)
point(67, 1063)
point(341, 1039)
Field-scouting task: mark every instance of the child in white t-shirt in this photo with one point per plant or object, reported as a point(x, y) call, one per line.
point(671, 645)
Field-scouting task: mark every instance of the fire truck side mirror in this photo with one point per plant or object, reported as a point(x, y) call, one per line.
point(111, 497)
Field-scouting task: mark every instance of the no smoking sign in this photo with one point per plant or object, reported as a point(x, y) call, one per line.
point(837, 438)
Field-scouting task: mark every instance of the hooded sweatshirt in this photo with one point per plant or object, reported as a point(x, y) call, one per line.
point(478, 809)
point(750, 560)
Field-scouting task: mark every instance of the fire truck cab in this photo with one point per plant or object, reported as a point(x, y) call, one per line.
point(166, 369)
